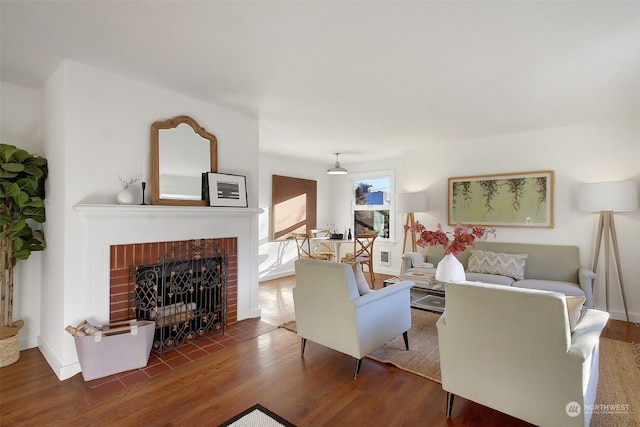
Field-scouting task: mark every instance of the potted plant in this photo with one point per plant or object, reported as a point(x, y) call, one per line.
point(22, 177)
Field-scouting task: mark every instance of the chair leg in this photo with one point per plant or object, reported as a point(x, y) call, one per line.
point(303, 343)
point(405, 335)
point(358, 364)
point(373, 277)
point(450, 397)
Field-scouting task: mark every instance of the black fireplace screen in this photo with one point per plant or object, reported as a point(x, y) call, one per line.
point(185, 294)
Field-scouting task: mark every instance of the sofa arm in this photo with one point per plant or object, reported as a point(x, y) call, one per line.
point(586, 278)
point(405, 263)
point(587, 333)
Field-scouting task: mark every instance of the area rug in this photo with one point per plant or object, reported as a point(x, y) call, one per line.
point(617, 400)
point(257, 416)
point(290, 326)
point(423, 357)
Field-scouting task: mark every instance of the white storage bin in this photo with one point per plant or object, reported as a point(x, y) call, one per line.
point(115, 350)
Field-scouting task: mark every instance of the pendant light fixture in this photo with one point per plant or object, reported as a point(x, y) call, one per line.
point(337, 169)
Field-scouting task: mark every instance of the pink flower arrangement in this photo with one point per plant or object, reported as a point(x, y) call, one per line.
point(464, 236)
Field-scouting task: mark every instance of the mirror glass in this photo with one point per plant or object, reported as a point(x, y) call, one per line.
point(181, 150)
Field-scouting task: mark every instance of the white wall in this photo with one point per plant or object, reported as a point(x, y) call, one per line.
point(276, 258)
point(608, 150)
point(20, 125)
point(97, 126)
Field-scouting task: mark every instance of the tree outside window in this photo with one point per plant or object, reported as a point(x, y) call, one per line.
point(373, 194)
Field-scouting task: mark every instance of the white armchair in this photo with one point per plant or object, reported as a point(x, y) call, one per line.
point(513, 350)
point(330, 311)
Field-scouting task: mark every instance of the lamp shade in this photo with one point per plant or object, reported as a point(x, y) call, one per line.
point(616, 196)
point(412, 202)
point(337, 169)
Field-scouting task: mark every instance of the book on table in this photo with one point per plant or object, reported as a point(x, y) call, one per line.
point(425, 281)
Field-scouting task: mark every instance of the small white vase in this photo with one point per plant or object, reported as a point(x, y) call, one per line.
point(125, 197)
point(450, 270)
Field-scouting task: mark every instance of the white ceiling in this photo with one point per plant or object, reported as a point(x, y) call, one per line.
point(364, 78)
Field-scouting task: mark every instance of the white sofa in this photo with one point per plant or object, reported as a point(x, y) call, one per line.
point(332, 312)
point(547, 267)
point(513, 350)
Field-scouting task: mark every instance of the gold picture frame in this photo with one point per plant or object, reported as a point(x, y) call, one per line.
point(522, 199)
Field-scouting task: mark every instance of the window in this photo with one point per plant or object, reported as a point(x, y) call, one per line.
point(372, 203)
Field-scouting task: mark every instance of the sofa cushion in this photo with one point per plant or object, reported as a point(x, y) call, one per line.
point(567, 288)
point(574, 310)
point(510, 265)
point(494, 279)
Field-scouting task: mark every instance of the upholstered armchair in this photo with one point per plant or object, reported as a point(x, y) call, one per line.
point(531, 354)
point(331, 311)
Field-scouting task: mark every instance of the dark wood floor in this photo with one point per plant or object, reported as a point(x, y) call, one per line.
point(316, 390)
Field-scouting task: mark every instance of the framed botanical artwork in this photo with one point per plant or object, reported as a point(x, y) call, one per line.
point(227, 190)
point(508, 200)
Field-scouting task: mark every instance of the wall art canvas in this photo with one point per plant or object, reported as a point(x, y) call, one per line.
point(509, 200)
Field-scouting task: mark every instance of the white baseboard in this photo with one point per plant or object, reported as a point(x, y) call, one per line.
point(276, 275)
point(255, 313)
point(62, 372)
point(388, 271)
point(619, 315)
point(29, 342)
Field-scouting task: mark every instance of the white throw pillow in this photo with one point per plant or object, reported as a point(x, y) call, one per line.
point(510, 265)
point(574, 310)
point(361, 282)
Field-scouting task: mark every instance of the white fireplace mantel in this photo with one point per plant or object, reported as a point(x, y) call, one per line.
point(120, 211)
point(110, 224)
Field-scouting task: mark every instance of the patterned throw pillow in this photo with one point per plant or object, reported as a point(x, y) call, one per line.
point(510, 265)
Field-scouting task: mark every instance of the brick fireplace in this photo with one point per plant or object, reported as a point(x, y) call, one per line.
point(125, 256)
point(117, 236)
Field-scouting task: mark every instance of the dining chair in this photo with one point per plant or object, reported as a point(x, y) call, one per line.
point(363, 252)
point(304, 247)
point(321, 247)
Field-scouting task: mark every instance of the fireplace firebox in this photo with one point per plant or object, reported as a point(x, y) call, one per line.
point(185, 294)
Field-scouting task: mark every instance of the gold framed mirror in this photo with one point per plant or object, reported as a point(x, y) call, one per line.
point(181, 150)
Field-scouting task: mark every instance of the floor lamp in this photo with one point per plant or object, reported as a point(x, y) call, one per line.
point(409, 203)
point(607, 198)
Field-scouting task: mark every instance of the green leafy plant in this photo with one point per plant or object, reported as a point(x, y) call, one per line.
point(22, 177)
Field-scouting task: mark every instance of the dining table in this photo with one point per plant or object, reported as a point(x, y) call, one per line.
point(335, 243)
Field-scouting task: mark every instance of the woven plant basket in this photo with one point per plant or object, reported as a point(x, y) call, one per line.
point(9, 351)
